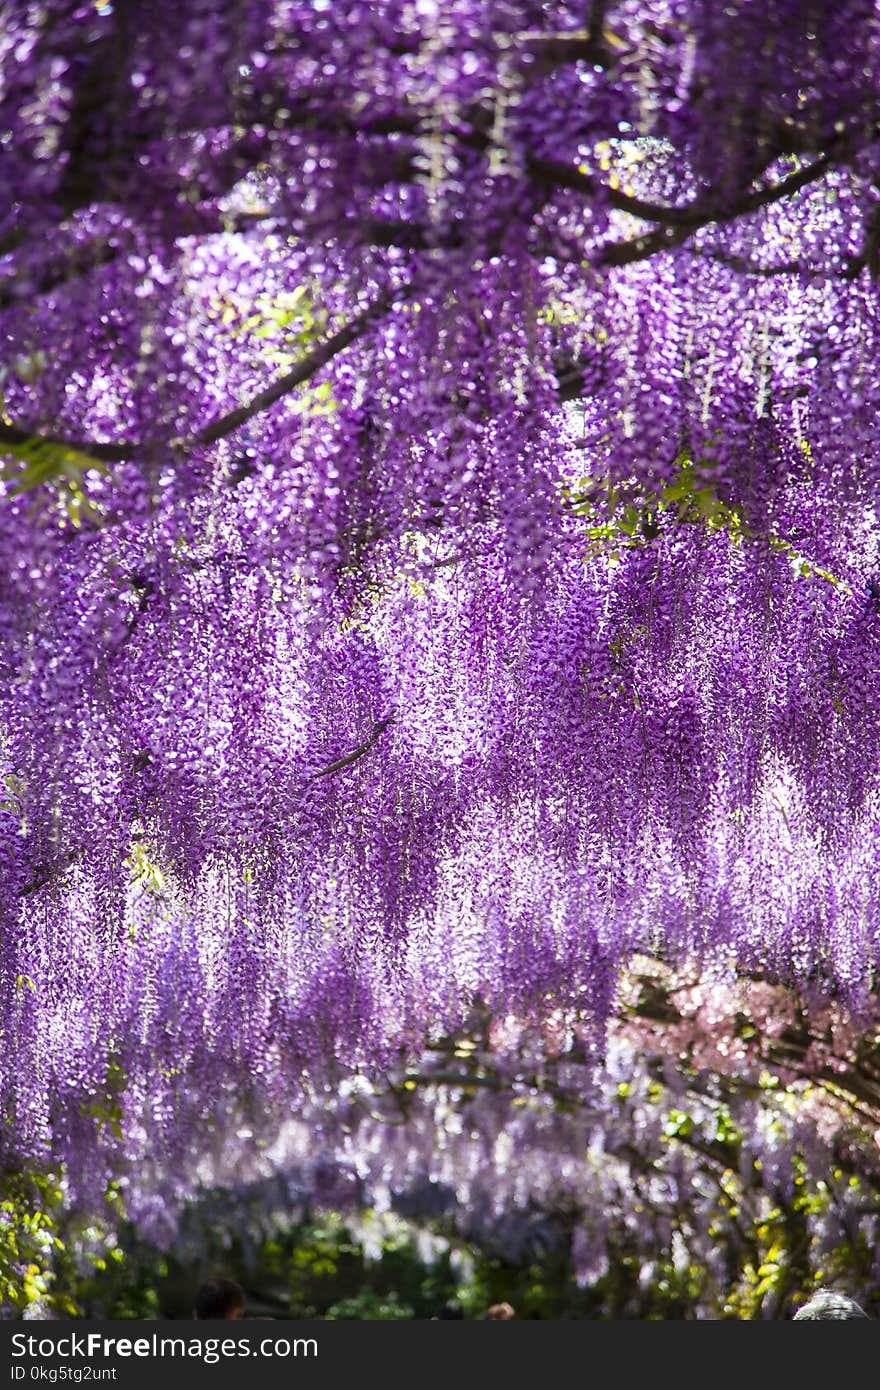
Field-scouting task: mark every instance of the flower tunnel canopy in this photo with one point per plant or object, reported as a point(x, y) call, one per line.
point(439, 538)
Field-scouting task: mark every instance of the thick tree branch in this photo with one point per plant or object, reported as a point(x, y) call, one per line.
point(743, 266)
point(90, 449)
point(674, 224)
point(640, 248)
point(85, 450)
point(683, 222)
point(310, 364)
point(378, 729)
point(692, 215)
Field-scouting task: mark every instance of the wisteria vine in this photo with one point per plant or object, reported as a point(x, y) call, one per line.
point(439, 548)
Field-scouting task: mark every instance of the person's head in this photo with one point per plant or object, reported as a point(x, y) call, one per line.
point(825, 1303)
point(219, 1298)
point(500, 1311)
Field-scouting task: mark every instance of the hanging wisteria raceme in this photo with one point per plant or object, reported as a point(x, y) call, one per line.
point(727, 1128)
point(439, 549)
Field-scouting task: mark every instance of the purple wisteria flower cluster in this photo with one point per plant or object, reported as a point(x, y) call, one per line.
point(438, 536)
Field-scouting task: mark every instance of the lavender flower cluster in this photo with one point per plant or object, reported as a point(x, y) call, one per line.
point(438, 547)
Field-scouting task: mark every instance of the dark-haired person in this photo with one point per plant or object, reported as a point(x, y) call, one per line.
point(825, 1303)
point(451, 1311)
point(219, 1298)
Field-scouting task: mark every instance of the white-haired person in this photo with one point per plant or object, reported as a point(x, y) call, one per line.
point(826, 1303)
